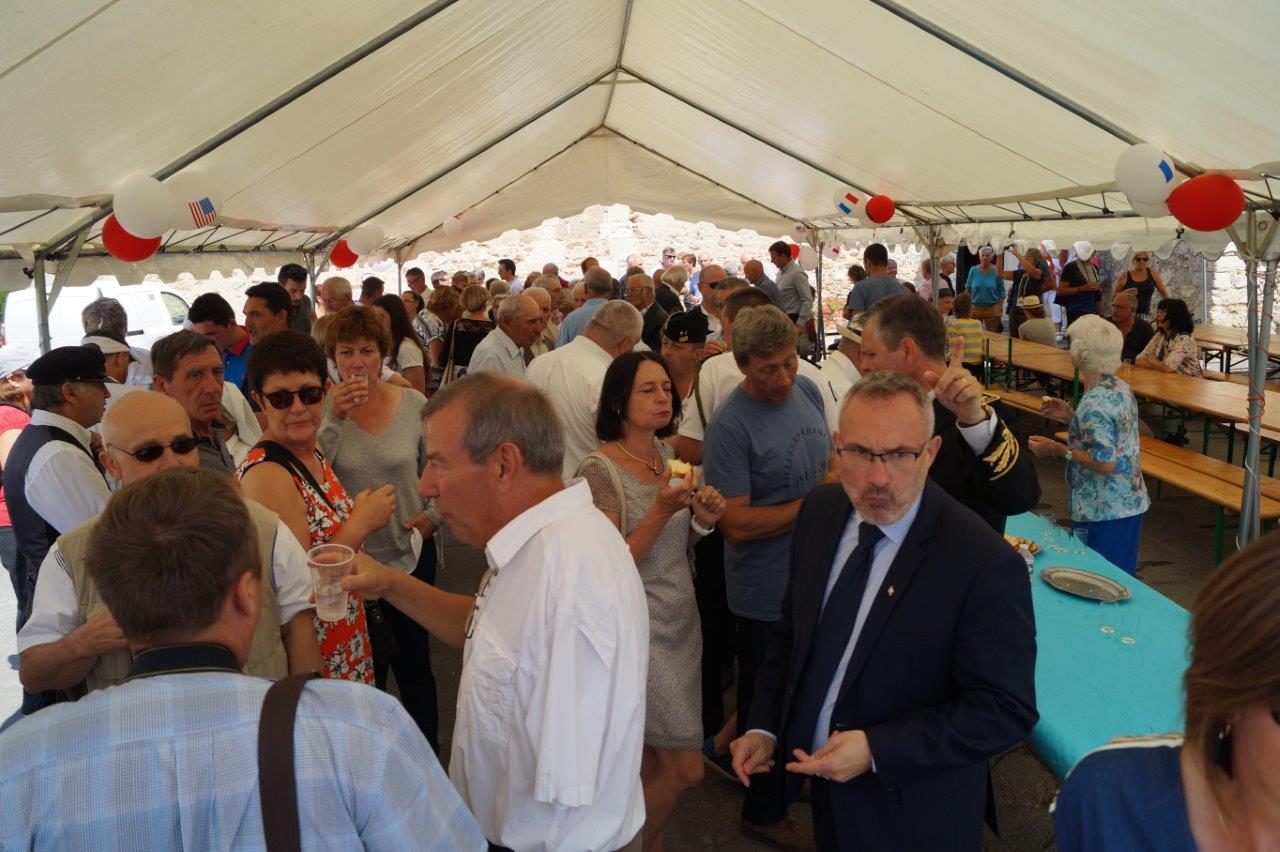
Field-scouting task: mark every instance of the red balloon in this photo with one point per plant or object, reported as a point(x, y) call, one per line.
point(343, 256)
point(795, 251)
point(880, 209)
point(123, 245)
point(1207, 202)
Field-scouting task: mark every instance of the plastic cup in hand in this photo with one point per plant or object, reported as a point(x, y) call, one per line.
point(1131, 624)
point(329, 563)
point(1108, 616)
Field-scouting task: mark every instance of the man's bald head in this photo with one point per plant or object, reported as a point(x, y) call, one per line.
point(539, 295)
point(712, 273)
point(138, 419)
point(753, 271)
point(1125, 297)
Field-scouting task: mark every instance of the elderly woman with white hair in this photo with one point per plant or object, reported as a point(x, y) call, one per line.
point(1108, 495)
point(986, 289)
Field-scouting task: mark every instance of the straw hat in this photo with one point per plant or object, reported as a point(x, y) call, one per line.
point(1030, 302)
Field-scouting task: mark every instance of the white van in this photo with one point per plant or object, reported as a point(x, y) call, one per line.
point(153, 312)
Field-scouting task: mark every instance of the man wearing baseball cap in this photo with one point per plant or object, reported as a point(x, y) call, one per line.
point(117, 356)
point(52, 481)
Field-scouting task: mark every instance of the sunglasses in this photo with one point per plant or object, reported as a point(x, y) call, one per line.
point(1140, 260)
point(282, 399)
point(181, 446)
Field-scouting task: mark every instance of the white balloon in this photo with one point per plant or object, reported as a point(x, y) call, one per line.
point(848, 203)
point(365, 239)
point(808, 257)
point(452, 226)
point(144, 206)
point(831, 252)
point(193, 187)
point(1151, 211)
point(1146, 174)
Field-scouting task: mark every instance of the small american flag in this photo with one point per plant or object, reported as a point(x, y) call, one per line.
point(202, 212)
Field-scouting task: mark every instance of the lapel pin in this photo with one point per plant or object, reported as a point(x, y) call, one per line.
point(891, 591)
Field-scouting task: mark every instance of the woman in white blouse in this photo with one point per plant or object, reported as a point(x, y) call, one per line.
point(408, 353)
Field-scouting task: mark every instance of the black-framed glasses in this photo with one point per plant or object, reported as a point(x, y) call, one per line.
point(485, 582)
point(149, 452)
point(282, 399)
point(895, 461)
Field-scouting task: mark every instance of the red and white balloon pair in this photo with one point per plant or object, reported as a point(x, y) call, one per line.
point(1148, 178)
point(144, 209)
point(876, 210)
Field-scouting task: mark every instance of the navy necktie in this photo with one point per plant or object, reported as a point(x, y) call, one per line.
point(831, 639)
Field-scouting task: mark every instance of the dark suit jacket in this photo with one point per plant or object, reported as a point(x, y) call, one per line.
point(942, 677)
point(998, 482)
point(655, 319)
point(667, 298)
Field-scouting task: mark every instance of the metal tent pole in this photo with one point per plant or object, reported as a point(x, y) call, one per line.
point(1259, 329)
point(42, 301)
point(819, 345)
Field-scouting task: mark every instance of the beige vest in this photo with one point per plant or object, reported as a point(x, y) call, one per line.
point(267, 656)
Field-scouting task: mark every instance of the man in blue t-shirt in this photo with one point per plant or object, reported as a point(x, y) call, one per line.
point(212, 316)
point(766, 447)
point(879, 283)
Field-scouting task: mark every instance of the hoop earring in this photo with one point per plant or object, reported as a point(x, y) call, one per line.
point(1223, 756)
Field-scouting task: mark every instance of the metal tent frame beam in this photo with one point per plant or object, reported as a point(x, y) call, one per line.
point(265, 111)
point(333, 238)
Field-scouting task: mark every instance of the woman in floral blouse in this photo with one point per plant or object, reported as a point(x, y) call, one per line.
point(285, 472)
point(1172, 349)
point(1108, 495)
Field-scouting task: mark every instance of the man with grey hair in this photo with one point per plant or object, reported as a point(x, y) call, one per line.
point(550, 723)
point(546, 339)
point(1137, 331)
point(894, 736)
point(640, 293)
point(766, 447)
point(571, 376)
point(503, 349)
point(598, 288)
point(335, 294)
point(109, 315)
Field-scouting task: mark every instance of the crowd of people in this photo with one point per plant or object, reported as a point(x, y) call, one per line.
point(672, 489)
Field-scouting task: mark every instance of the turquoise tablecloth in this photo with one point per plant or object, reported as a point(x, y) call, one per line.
point(1089, 687)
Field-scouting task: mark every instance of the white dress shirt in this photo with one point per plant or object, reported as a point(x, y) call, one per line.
point(139, 374)
point(571, 376)
point(55, 610)
point(838, 375)
point(718, 378)
point(498, 353)
point(247, 432)
point(63, 485)
point(550, 725)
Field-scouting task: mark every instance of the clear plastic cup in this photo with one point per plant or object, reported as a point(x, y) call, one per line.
point(1081, 544)
point(1130, 626)
point(329, 563)
point(1108, 616)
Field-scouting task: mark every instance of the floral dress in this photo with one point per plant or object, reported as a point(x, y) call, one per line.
point(345, 650)
point(1181, 353)
point(1106, 427)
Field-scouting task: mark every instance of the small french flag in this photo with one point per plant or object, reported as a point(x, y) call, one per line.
point(847, 203)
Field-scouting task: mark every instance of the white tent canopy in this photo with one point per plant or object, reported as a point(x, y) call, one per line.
point(749, 113)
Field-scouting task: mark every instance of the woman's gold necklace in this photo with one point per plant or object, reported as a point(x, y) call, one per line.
point(655, 468)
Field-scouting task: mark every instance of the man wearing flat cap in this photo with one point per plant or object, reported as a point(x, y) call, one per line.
point(52, 481)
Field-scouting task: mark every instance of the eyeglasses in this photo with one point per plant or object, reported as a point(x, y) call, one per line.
point(1140, 260)
point(282, 399)
point(485, 582)
point(181, 446)
point(895, 461)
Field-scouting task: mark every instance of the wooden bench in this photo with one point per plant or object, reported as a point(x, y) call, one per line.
point(1022, 401)
point(1203, 476)
point(1235, 378)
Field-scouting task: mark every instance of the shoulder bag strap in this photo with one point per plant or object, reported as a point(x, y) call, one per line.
point(697, 396)
point(280, 455)
point(277, 784)
point(612, 470)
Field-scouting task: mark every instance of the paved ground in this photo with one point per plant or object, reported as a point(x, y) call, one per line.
point(1177, 554)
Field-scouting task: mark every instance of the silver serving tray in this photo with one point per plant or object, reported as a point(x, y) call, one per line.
point(1084, 584)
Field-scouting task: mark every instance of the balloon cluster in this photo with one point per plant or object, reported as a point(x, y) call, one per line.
point(145, 208)
point(362, 240)
point(1146, 175)
point(875, 210)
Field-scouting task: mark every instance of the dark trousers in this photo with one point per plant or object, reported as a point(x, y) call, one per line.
point(763, 803)
point(13, 564)
point(824, 823)
point(411, 657)
point(717, 628)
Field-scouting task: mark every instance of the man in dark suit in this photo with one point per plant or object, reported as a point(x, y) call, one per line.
point(982, 461)
point(904, 658)
point(639, 291)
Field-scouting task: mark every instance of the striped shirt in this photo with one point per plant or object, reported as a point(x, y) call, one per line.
point(170, 762)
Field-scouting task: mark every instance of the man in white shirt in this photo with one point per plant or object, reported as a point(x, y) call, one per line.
point(720, 376)
point(571, 376)
point(507, 272)
point(840, 367)
point(66, 645)
point(502, 350)
point(550, 725)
